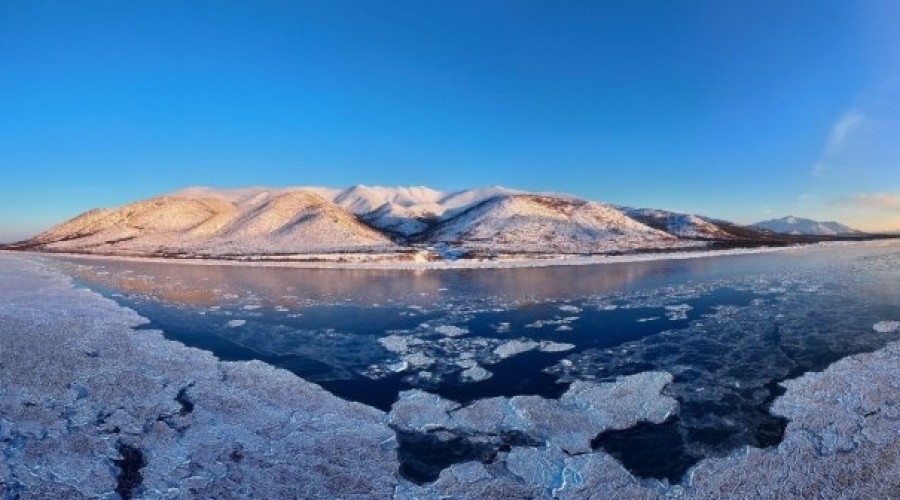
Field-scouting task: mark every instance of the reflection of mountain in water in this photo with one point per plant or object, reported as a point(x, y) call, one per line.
point(209, 284)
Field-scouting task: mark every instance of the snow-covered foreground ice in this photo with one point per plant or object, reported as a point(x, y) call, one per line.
point(542, 417)
point(91, 409)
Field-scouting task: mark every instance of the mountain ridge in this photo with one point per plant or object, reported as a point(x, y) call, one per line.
point(406, 222)
point(806, 227)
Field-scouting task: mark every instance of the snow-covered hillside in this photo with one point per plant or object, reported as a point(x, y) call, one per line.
point(679, 224)
point(520, 223)
point(407, 211)
point(807, 227)
point(402, 222)
point(203, 221)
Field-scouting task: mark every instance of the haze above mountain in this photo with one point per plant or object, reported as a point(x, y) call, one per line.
point(419, 221)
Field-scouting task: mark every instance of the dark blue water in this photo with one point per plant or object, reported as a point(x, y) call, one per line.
point(728, 328)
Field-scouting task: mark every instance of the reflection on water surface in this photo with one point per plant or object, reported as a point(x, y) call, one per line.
point(728, 328)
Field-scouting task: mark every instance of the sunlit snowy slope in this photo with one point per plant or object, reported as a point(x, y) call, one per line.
point(396, 221)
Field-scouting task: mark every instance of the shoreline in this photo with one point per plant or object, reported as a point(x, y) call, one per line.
point(512, 263)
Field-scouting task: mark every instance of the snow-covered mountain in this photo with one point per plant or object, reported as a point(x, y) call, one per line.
point(806, 227)
point(527, 223)
point(679, 224)
point(211, 222)
point(408, 221)
point(407, 211)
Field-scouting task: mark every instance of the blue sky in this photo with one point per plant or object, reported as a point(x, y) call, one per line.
point(738, 109)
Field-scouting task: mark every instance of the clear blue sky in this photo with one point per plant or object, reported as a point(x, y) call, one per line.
point(739, 109)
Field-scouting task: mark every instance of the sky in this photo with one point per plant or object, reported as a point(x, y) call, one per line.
point(744, 110)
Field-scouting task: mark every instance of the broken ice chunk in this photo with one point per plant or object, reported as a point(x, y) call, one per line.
point(677, 312)
point(236, 323)
point(547, 346)
point(886, 326)
point(475, 374)
point(395, 343)
point(451, 331)
point(400, 366)
point(418, 360)
point(503, 327)
point(514, 347)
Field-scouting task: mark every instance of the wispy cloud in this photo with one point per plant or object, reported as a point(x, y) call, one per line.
point(843, 129)
point(877, 201)
point(863, 136)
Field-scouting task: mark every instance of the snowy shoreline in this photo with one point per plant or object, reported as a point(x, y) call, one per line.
point(507, 263)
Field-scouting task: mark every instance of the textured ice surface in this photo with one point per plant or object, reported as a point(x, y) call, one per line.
point(835, 446)
point(85, 397)
point(501, 424)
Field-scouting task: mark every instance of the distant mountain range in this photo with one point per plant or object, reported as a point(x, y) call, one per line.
point(799, 226)
point(415, 222)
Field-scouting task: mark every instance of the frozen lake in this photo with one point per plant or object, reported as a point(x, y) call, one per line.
point(728, 328)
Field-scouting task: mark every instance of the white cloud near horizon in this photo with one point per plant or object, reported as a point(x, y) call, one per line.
point(877, 201)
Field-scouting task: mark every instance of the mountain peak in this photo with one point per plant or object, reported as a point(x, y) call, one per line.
point(806, 227)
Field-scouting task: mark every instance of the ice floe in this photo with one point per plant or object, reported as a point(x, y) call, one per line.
point(451, 331)
point(886, 326)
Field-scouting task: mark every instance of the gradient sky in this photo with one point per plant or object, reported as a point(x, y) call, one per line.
point(738, 109)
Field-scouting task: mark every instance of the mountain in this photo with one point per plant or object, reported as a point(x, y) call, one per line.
point(806, 227)
point(527, 223)
point(401, 222)
point(210, 222)
point(406, 211)
point(682, 225)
